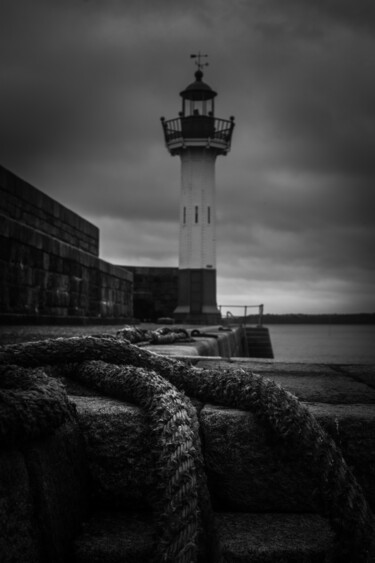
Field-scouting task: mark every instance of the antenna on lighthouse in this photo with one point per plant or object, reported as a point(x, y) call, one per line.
point(198, 62)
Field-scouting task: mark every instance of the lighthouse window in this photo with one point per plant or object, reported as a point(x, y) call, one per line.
point(184, 216)
point(196, 213)
point(208, 214)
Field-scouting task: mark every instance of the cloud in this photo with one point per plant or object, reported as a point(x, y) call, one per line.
point(83, 84)
point(123, 242)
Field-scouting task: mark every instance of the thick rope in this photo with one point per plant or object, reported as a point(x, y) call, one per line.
point(181, 501)
point(339, 495)
point(174, 451)
point(32, 405)
point(173, 420)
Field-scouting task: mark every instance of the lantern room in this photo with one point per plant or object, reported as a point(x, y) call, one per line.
point(198, 98)
point(196, 126)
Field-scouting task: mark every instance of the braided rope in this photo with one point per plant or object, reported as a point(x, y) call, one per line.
point(32, 405)
point(174, 451)
point(339, 495)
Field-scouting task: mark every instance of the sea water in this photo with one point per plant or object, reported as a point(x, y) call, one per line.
point(337, 344)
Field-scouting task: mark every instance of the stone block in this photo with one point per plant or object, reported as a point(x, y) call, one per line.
point(58, 475)
point(46, 261)
point(249, 469)
point(5, 248)
point(19, 537)
point(363, 373)
point(353, 429)
point(245, 469)
point(308, 382)
point(119, 450)
point(116, 538)
point(335, 390)
point(272, 538)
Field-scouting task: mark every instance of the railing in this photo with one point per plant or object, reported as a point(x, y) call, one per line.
point(196, 127)
point(229, 314)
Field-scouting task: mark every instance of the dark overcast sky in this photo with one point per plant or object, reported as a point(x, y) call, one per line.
point(83, 84)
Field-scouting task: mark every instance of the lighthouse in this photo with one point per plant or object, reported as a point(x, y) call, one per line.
point(197, 137)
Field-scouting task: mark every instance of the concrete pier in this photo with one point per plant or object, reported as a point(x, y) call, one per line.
point(210, 340)
point(262, 495)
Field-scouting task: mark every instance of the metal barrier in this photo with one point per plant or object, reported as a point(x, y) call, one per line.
point(229, 314)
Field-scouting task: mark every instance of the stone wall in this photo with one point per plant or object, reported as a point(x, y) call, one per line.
point(28, 205)
point(155, 291)
point(43, 277)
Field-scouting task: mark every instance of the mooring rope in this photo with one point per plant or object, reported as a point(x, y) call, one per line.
point(338, 494)
point(32, 405)
point(174, 450)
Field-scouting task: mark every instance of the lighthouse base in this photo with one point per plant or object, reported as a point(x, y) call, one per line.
point(197, 297)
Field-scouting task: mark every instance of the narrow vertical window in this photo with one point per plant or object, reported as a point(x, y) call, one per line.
point(196, 213)
point(184, 216)
point(208, 214)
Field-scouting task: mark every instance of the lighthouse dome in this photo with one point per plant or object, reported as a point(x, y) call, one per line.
point(198, 90)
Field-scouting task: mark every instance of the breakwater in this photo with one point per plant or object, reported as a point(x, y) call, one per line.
point(212, 341)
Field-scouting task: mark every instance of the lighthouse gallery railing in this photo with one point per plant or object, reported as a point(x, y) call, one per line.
point(198, 127)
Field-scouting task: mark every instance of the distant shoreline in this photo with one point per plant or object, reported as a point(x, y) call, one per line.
point(340, 319)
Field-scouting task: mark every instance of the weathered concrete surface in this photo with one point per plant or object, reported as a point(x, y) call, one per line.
point(266, 538)
point(249, 469)
point(119, 451)
point(44, 498)
point(227, 343)
point(245, 467)
point(115, 538)
point(364, 373)
point(309, 382)
point(243, 538)
point(353, 429)
point(19, 533)
point(214, 343)
point(57, 472)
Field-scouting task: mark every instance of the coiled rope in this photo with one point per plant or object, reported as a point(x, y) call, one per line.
point(32, 405)
point(150, 380)
point(174, 452)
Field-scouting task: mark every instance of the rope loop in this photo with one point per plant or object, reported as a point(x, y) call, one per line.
point(32, 405)
point(159, 384)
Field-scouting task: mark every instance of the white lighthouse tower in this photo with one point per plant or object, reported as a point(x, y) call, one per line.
point(198, 137)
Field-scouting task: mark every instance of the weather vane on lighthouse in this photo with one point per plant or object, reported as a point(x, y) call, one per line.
point(198, 62)
point(197, 137)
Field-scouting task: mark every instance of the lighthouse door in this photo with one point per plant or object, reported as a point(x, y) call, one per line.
point(196, 291)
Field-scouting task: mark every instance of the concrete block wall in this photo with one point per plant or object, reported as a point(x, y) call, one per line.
point(155, 291)
point(42, 276)
point(50, 271)
point(28, 205)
